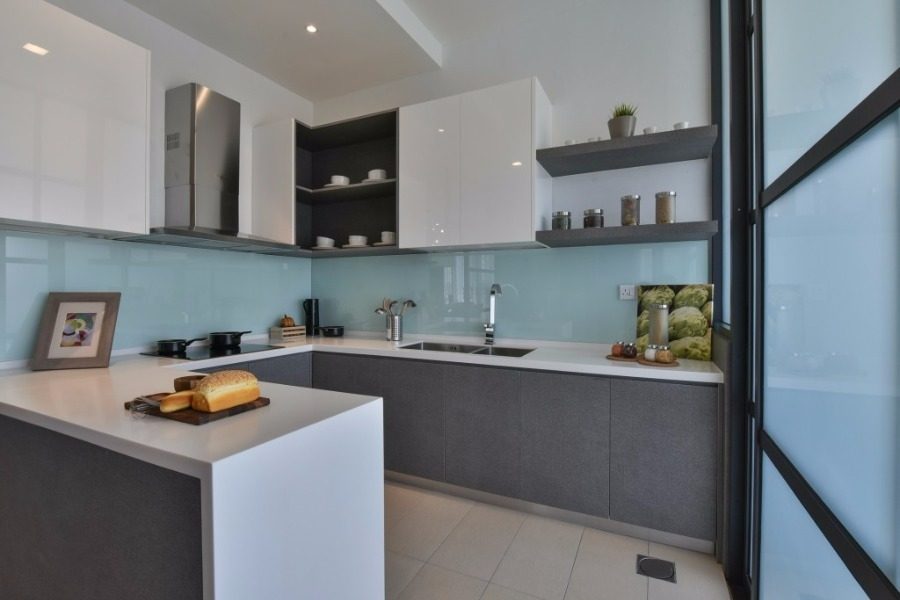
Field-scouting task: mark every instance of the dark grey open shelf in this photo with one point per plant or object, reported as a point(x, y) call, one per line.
point(353, 191)
point(636, 151)
point(637, 234)
point(367, 251)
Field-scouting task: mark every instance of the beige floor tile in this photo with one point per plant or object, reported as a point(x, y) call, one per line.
point(398, 502)
point(605, 568)
point(399, 570)
point(698, 576)
point(425, 525)
point(435, 583)
point(496, 592)
point(539, 560)
point(476, 546)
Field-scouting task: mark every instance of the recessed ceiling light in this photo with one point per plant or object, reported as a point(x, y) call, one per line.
point(441, 130)
point(311, 28)
point(517, 163)
point(35, 49)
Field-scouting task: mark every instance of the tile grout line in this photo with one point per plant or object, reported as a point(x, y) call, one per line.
point(416, 574)
point(505, 552)
point(574, 560)
point(449, 533)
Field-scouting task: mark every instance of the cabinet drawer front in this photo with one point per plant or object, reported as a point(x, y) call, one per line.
point(663, 456)
point(293, 370)
point(429, 174)
point(347, 373)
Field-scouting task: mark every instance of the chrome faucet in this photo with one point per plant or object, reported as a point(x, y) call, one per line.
point(490, 325)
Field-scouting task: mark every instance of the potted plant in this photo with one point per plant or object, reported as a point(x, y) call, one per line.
point(623, 121)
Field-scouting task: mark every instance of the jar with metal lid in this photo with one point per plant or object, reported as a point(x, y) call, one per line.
point(665, 207)
point(593, 217)
point(659, 324)
point(631, 209)
point(665, 355)
point(650, 352)
point(562, 219)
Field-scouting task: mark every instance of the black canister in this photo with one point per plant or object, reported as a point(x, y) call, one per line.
point(311, 310)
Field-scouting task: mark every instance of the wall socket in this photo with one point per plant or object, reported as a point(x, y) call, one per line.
point(626, 292)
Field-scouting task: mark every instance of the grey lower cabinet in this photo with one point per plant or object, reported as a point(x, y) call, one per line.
point(565, 441)
point(294, 369)
point(663, 456)
point(483, 421)
point(349, 373)
point(239, 366)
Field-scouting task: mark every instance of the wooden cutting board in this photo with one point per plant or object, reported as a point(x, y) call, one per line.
point(196, 417)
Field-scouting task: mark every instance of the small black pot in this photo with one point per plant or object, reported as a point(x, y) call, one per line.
point(173, 347)
point(332, 331)
point(226, 339)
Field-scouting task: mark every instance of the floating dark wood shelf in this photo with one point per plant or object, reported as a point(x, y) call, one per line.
point(636, 151)
point(638, 234)
point(367, 251)
point(342, 193)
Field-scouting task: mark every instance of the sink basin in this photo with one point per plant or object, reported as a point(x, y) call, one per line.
point(501, 351)
point(468, 349)
point(437, 347)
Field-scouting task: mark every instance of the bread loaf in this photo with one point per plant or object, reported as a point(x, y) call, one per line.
point(225, 389)
point(176, 401)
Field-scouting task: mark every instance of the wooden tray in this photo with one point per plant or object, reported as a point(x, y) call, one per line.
point(650, 363)
point(620, 358)
point(196, 417)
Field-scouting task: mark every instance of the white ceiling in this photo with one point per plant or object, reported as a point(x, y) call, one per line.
point(359, 43)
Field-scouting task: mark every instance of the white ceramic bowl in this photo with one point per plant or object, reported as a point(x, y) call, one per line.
point(377, 174)
point(358, 240)
point(340, 180)
point(324, 242)
point(388, 236)
point(681, 125)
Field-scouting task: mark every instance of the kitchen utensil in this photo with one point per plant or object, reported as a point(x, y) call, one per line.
point(332, 330)
point(391, 307)
point(311, 310)
point(407, 304)
point(380, 311)
point(149, 405)
point(187, 382)
point(226, 339)
point(174, 346)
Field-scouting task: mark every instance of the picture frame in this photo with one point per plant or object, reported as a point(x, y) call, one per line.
point(691, 309)
point(76, 330)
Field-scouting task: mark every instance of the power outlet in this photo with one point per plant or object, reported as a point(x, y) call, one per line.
point(626, 292)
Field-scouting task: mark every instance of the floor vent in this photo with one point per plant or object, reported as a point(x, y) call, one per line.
point(656, 568)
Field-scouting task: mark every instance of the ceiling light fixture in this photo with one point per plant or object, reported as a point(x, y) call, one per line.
point(517, 163)
point(311, 28)
point(440, 130)
point(35, 49)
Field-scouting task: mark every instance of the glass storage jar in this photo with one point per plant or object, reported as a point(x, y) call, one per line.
point(631, 209)
point(562, 219)
point(665, 207)
point(593, 217)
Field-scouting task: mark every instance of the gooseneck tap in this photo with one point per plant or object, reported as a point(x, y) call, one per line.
point(489, 327)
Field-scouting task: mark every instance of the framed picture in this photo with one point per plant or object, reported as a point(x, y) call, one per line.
point(76, 330)
point(690, 317)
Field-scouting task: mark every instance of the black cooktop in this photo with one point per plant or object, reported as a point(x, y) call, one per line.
point(204, 352)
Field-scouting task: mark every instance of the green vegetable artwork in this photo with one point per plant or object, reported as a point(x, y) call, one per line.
point(690, 318)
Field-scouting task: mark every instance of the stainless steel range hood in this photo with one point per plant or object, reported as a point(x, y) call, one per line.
point(203, 140)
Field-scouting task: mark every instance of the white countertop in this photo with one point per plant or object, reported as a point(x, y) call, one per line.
point(548, 356)
point(88, 404)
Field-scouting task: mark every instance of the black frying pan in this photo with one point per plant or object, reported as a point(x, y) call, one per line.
point(175, 346)
point(226, 339)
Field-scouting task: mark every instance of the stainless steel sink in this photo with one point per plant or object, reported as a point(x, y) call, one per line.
point(469, 349)
point(501, 351)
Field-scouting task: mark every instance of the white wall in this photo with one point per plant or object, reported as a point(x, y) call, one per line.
point(589, 55)
point(177, 59)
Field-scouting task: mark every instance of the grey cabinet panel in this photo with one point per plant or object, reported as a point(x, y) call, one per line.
point(483, 421)
point(414, 418)
point(565, 441)
point(348, 373)
point(663, 456)
point(238, 366)
point(294, 369)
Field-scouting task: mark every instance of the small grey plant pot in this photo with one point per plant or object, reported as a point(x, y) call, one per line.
point(620, 127)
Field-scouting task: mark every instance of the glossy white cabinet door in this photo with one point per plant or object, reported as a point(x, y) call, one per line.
point(429, 174)
point(73, 122)
point(497, 158)
point(274, 191)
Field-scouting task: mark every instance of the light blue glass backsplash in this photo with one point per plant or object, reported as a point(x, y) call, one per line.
point(166, 291)
point(568, 294)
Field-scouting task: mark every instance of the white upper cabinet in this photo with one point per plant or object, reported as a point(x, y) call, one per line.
point(468, 175)
point(274, 191)
point(73, 121)
point(429, 155)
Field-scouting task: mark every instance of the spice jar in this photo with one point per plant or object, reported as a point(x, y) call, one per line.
point(593, 217)
point(617, 348)
point(631, 209)
point(562, 219)
point(664, 355)
point(629, 351)
point(665, 207)
point(650, 352)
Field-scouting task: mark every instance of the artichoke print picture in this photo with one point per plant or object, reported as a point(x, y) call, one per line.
point(690, 318)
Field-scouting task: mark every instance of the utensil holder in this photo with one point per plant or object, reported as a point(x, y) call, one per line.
point(395, 328)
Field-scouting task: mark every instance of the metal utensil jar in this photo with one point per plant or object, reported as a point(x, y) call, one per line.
point(631, 209)
point(659, 325)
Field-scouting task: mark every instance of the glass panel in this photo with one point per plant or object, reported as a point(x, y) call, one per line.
point(795, 559)
point(725, 225)
point(820, 59)
point(832, 336)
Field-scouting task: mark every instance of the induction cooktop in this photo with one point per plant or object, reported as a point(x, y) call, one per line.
point(205, 352)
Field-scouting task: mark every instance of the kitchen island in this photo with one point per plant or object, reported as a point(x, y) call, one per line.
point(280, 502)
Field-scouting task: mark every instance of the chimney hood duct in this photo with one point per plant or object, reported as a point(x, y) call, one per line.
point(203, 140)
